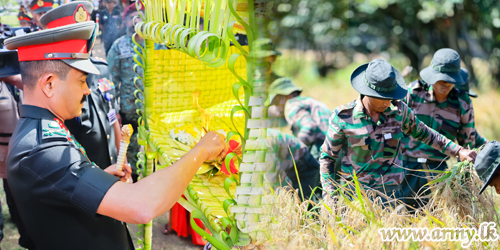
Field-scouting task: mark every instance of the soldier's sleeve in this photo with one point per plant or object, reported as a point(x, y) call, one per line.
point(480, 141)
point(289, 150)
point(414, 127)
point(114, 66)
point(330, 150)
point(299, 118)
point(466, 136)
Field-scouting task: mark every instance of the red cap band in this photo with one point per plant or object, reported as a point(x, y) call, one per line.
point(45, 4)
point(25, 19)
point(63, 21)
point(37, 52)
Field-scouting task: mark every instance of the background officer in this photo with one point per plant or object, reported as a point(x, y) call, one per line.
point(37, 9)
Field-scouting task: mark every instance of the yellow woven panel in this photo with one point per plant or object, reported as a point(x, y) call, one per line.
point(175, 79)
point(176, 76)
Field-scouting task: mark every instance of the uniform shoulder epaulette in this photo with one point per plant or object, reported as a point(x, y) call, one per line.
point(98, 60)
point(415, 84)
point(52, 130)
point(345, 107)
point(55, 130)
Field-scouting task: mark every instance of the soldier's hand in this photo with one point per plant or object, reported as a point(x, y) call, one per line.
point(124, 174)
point(466, 154)
point(213, 144)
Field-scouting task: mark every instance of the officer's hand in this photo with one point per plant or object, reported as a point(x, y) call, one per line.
point(124, 174)
point(214, 145)
point(466, 154)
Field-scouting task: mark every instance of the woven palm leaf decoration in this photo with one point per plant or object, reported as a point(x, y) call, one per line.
point(199, 84)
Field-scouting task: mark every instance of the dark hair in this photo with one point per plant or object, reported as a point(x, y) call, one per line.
point(31, 71)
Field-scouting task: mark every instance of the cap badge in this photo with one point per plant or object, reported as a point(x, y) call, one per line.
point(80, 15)
point(40, 3)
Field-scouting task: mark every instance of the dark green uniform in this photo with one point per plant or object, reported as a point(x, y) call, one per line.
point(57, 189)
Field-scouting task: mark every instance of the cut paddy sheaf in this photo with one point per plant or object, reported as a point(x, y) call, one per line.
point(357, 220)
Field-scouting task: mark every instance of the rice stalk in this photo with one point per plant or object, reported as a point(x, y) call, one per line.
point(352, 219)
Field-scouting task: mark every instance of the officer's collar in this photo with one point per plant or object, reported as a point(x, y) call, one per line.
point(29, 111)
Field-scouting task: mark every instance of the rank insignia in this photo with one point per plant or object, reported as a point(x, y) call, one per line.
point(81, 14)
point(57, 127)
point(104, 85)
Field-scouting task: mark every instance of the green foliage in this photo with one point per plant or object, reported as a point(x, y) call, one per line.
point(418, 28)
point(319, 25)
point(415, 28)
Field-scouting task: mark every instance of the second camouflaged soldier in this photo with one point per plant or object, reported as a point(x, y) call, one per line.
point(308, 120)
point(437, 102)
point(307, 117)
point(121, 64)
point(372, 127)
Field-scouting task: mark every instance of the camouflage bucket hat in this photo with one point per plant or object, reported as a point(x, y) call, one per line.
point(380, 80)
point(487, 163)
point(266, 48)
point(445, 66)
point(281, 86)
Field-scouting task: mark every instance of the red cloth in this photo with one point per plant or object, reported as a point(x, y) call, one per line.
point(179, 219)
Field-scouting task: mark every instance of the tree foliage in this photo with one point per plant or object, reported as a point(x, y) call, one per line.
point(319, 25)
point(416, 28)
point(420, 27)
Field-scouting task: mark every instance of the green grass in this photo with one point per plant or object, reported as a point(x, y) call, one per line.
point(10, 20)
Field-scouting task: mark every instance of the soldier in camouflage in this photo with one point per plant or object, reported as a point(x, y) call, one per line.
point(307, 117)
point(370, 130)
point(308, 120)
point(121, 62)
point(437, 102)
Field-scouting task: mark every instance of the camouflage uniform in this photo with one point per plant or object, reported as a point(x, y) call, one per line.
point(308, 119)
point(373, 147)
point(307, 166)
point(121, 62)
point(453, 118)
